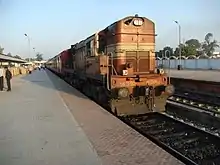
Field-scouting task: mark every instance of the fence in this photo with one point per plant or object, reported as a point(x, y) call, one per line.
point(191, 62)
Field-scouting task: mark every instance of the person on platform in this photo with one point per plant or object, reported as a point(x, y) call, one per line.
point(8, 77)
point(1, 79)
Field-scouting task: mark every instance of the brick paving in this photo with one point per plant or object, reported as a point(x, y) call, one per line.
point(115, 142)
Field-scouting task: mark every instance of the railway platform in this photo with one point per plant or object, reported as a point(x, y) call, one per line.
point(204, 75)
point(43, 121)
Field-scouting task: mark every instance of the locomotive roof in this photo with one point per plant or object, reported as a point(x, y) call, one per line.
point(82, 42)
point(129, 17)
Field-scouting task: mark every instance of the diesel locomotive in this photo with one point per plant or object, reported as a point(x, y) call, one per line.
point(116, 67)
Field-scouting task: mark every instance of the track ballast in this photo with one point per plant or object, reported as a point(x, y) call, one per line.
point(190, 145)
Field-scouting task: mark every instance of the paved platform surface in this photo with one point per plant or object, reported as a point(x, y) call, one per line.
point(44, 121)
point(115, 142)
point(37, 129)
point(206, 75)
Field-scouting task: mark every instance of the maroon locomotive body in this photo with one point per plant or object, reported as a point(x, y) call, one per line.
point(116, 67)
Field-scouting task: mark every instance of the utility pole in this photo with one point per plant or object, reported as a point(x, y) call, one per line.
point(29, 47)
point(179, 66)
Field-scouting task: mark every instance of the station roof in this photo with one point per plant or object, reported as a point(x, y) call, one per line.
point(5, 58)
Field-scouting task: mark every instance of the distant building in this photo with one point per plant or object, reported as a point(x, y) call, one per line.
point(39, 62)
point(216, 53)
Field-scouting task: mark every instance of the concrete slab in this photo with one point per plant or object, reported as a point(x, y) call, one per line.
point(36, 127)
point(206, 75)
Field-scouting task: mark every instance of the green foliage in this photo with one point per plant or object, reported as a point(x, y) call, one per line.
point(192, 47)
point(193, 43)
point(1, 50)
point(183, 50)
point(159, 54)
point(187, 50)
point(9, 54)
point(209, 45)
point(17, 56)
point(30, 59)
point(167, 51)
point(39, 57)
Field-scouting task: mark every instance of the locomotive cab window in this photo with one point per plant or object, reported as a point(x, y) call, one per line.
point(88, 49)
point(102, 44)
point(128, 22)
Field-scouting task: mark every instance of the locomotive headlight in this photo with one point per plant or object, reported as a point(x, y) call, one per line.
point(123, 92)
point(159, 71)
point(170, 89)
point(138, 22)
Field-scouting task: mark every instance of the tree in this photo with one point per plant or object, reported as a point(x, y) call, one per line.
point(17, 56)
point(159, 54)
point(189, 51)
point(166, 50)
point(209, 45)
point(9, 54)
point(176, 52)
point(39, 57)
point(1, 50)
point(190, 48)
point(193, 43)
point(29, 59)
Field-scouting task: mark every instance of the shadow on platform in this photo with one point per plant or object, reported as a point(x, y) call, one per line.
point(41, 78)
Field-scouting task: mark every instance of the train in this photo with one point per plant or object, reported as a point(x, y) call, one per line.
point(116, 67)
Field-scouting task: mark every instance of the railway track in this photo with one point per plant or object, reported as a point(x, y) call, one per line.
point(198, 109)
point(207, 126)
point(206, 102)
point(190, 145)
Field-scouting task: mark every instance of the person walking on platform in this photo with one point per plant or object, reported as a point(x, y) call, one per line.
point(1, 79)
point(8, 77)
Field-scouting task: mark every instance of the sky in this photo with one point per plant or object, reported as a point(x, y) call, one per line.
point(53, 25)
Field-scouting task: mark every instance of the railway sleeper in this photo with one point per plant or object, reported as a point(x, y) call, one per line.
point(187, 143)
